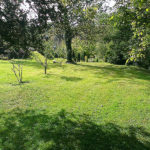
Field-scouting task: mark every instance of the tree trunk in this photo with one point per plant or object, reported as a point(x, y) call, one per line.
point(45, 70)
point(79, 57)
point(68, 40)
point(45, 66)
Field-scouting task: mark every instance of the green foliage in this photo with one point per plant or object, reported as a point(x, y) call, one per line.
point(37, 54)
point(70, 18)
point(114, 38)
point(77, 29)
point(18, 32)
point(138, 10)
point(141, 27)
point(13, 27)
point(84, 48)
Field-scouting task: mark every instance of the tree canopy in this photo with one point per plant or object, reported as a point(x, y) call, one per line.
point(86, 28)
point(71, 18)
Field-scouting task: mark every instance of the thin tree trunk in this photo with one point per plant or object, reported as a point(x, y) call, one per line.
point(68, 40)
point(45, 66)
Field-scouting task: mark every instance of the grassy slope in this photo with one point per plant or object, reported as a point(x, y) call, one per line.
point(86, 106)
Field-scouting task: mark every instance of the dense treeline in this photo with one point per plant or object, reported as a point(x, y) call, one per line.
point(130, 38)
point(77, 31)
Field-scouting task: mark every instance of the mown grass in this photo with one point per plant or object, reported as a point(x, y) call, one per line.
point(88, 106)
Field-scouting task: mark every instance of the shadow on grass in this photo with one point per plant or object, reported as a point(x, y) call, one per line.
point(24, 130)
point(38, 65)
point(114, 71)
point(16, 84)
point(117, 71)
point(71, 78)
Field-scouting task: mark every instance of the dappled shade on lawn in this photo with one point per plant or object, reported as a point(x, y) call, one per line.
point(33, 129)
point(71, 78)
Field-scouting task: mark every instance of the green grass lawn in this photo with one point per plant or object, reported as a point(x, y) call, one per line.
point(88, 106)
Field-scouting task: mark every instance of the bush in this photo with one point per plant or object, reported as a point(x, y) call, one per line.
point(2, 57)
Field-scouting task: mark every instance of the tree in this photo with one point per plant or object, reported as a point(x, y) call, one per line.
point(120, 37)
point(13, 22)
point(140, 26)
point(18, 32)
point(18, 71)
point(47, 52)
point(71, 17)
